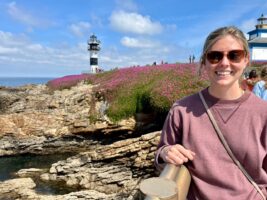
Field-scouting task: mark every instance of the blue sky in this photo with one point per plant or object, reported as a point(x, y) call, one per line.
point(48, 38)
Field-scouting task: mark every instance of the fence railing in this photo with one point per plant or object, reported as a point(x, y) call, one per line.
point(172, 184)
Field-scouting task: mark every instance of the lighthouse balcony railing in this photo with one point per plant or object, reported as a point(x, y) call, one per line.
point(94, 48)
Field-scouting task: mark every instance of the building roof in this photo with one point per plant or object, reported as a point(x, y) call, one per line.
point(257, 31)
point(258, 40)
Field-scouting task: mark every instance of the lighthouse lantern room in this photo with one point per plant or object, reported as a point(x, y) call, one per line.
point(94, 48)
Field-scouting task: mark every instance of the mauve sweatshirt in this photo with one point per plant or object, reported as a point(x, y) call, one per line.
point(243, 123)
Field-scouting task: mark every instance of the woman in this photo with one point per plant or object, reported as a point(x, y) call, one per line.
point(188, 137)
point(260, 88)
point(248, 84)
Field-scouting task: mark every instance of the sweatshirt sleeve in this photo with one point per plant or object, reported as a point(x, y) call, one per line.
point(170, 135)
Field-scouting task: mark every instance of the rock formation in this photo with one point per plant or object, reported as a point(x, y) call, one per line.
point(110, 161)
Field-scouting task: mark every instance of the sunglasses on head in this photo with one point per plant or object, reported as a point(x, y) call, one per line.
point(234, 56)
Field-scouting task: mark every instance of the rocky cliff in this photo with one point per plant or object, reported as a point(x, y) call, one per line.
point(110, 161)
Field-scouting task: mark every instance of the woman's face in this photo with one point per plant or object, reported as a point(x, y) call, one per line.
point(223, 65)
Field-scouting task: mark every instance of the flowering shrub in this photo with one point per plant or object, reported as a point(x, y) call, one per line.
point(140, 89)
point(144, 89)
point(180, 81)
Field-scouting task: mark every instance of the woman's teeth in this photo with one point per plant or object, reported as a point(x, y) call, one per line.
point(224, 73)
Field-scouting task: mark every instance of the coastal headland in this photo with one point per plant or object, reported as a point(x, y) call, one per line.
point(110, 158)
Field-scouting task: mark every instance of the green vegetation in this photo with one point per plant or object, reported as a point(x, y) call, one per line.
point(147, 89)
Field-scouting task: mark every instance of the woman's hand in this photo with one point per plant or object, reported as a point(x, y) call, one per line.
point(176, 154)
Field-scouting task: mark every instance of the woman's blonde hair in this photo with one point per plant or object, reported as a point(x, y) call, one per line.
point(219, 33)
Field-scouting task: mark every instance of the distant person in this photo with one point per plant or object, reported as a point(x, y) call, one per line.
point(248, 83)
point(260, 88)
point(188, 136)
point(193, 59)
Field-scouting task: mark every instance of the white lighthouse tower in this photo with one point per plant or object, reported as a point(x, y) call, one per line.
point(93, 48)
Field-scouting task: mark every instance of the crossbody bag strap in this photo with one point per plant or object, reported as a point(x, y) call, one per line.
point(226, 146)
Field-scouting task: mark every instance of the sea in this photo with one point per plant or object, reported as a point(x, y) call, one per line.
point(20, 81)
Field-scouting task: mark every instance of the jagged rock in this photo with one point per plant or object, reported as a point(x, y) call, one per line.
point(37, 112)
point(33, 115)
point(29, 172)
point(17, 189)
point(113, 159)
point(23, 189)
point(94, 170)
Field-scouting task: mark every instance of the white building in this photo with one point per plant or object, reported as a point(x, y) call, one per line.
point(93, 48)
point(258, 40)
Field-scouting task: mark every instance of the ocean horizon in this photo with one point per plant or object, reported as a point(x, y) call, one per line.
point(20, 81)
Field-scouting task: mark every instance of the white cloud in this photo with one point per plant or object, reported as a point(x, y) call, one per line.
point(35, 47)
point(134, 23)
point(23, 16)
point(137, 43)
point(9, 39)
point(80, 28)
point(6, 50)
point(36, 59)
point(19, 54)
point(114, 57)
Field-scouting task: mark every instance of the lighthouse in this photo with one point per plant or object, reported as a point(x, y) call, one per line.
point(258, 40)
point(94, 48)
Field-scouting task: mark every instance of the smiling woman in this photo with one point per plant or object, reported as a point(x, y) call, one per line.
point(225, 64)
point(189, 136)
